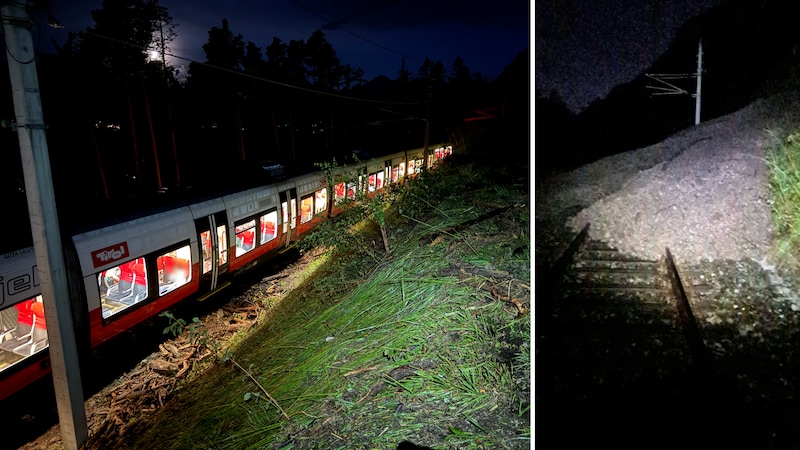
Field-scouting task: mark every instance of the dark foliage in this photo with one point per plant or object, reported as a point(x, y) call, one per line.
point(125, 134)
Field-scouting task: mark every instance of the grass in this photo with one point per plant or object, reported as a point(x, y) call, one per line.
point(784, 163)
point(413, 348)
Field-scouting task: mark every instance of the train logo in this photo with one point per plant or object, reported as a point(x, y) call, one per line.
point(113, 253)
point(16, 286)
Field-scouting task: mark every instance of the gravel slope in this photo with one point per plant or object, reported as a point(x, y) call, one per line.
point(701, 192)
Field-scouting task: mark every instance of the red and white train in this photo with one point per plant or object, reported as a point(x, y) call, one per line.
point(122, 274)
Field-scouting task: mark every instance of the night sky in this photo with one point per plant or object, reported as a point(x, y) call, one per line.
point(364, 33)
point(586, 48)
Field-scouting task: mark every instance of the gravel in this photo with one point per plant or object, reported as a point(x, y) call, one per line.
point(703, 193)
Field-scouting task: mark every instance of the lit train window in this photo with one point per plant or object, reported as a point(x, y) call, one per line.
point(293, 208)
point(339, 192)
point(379, 182)
point(372, 181)
point(23, 332)
point(411, 167)
point(361, 185)
point(351, 189)
point(269, 225)
point(320, 200)
point(402, 170)
point(245, 237)
point(174, 269)
point(122, 286)
point(222, 245)
point(395, 174)
point(205, 245)
point(285, 216)
point(306, 209)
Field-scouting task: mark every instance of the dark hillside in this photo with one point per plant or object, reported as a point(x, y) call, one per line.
point(749, 51)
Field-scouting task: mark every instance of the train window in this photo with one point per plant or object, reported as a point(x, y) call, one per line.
point(205, 245)
point(285, 216)
point(122, 286)
point(222, 245)
point(23, 332)
point(245, 237)
point(401, 170)
point(269, 225)
point(174, 269)
point(339, 192)
point(320, 200)
point(395, 172)
point(351, 189)
point(293, 209)
point(379, 182)
point(372, 181)
point(306, 209)
point(411, 166)
point(419, 166)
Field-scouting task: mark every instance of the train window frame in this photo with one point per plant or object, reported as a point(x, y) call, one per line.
point(380, 182)
point(261, 222)
point(320, 201)
point(245, 231)
point(306, 208)
point(131, 298)
point(339, 192)
point(183, 253)
point(28, 336)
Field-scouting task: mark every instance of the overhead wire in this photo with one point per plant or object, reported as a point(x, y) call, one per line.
point(38, 38)
point(255, 77)
point(355, 34)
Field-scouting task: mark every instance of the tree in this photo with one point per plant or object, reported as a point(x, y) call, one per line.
point(403, 75)
point(223, 49)
point(432, 71)
point(125, 32)
point(324, 69)
point(461, 74)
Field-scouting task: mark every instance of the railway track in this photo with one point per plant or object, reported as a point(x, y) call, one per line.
point(618, 349)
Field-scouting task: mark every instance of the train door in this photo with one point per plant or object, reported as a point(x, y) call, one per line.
point(288, 214)
point(212, 236)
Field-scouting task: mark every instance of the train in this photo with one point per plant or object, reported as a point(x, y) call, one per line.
point(128, 271)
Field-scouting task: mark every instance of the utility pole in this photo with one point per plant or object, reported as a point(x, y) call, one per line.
point(699, 82)
point(667, 88)
point(44, 222)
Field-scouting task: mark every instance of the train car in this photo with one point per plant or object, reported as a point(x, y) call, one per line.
point(122, 274)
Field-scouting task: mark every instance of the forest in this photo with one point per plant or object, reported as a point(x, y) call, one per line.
point(124, 125)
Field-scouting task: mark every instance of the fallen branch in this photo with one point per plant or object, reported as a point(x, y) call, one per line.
point(358, 371)
point(274, 402)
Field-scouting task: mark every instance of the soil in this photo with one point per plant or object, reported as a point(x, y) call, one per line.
point(151, 383)
point(126, 405)
point(703, 194)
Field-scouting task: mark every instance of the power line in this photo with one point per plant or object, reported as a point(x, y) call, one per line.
point(354, 34)
point(247, 75)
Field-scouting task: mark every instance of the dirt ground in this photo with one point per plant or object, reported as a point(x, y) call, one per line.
point(152, 382)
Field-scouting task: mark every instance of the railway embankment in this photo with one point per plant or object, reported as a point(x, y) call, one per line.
point(357, 349)
point(703, 193)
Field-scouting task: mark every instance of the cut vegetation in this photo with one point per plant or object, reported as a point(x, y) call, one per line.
point(360, 348)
